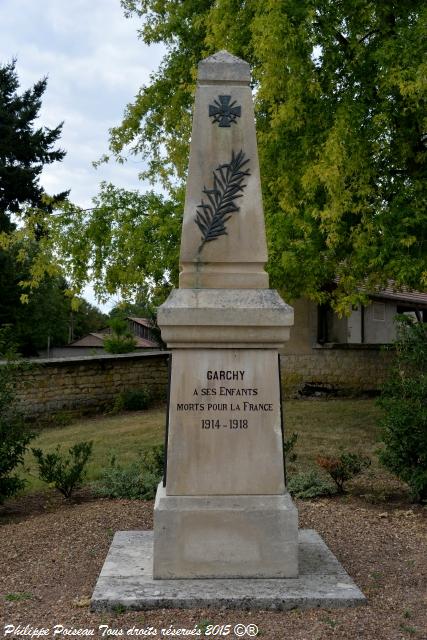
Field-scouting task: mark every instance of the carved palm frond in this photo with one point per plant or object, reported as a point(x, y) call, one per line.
point(220, 204)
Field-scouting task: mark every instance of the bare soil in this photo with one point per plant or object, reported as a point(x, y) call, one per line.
point(51, 554)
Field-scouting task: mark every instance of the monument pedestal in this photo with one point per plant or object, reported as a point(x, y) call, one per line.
point(224, 511)
point(225, 536)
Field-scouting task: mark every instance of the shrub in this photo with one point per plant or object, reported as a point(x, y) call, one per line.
point(119, 344)
point(344, 468)
point(64, 472)
point(14, 440)
point(309, 485)
point(132, 400)
point(137, 481)
point(14, 435)
point(404, 401)
point(121, 339)
point(288, 447)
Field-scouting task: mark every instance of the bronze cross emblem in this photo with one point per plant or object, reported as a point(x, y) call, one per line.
point(223, 112)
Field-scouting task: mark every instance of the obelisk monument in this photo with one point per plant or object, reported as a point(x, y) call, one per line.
point(223, 510)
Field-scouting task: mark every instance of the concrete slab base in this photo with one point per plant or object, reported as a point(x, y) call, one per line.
point(126, 580)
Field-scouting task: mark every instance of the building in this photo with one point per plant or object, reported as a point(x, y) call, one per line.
point(93, 343)
point(326, 352)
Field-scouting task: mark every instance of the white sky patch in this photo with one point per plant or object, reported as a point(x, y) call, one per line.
point(95, 65)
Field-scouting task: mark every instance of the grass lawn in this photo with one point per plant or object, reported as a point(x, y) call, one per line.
point(323, 426)
point(122, 435)
point(328, 426)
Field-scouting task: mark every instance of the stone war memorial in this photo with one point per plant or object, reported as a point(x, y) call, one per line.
point(225, 527)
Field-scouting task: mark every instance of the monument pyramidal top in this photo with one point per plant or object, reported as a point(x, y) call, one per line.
point(223, 67)
point(223, 299)
point(223, 241)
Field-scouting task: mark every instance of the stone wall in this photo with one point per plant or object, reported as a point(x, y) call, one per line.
point(343, 369)
point(92, 383)
point(89, 383)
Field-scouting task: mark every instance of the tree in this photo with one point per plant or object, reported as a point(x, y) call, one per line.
point(47, 317)
point(24, 149)
point(138, 309)
point(339, 97)
point(128, 244)
point(341, 130)
point(85, 319)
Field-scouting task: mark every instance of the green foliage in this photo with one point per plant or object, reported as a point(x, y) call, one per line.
point(345, 467)
point(288, 447)
point(121, 340)
point(127, 245)
point(14, 435)
point(47, 313)
point(17, 597)
point(340, 120)
point(404, 401)
point(340, 110)
point(133, 400)
point(119, 326)
point(14, 440)
point(119, 344)
point(64, 472)
point(24, 150)
point(85, 319)
point(308, 485)
point(25, 262)
point(137, 481)
point(142, 308)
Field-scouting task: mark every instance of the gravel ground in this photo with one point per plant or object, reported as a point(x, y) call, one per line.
point(51, 555)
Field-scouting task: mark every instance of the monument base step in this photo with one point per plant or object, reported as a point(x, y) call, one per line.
point(240, 536)
point(126, 580)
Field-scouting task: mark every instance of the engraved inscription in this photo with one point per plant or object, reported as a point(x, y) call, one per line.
point(224, 405)
point(212, 406)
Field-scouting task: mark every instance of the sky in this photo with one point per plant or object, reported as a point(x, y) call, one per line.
point(95, 65)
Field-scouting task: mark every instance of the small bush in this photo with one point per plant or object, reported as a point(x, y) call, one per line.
point(14, 435)
point(121, 340)
point(309, 485)
point(404, 401)
point(344, 468)
point(119, 344)
point(132, 400)
point(64, 472)
point(137, 481)
point(288, 447)
point(14, 440)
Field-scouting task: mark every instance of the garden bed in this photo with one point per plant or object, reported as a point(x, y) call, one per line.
point(52, 552)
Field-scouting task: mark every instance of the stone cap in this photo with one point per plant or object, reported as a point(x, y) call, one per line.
point(239, 306)
point(225, 318)
point(224, 67)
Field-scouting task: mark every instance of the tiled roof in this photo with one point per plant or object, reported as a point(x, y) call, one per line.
point(416, 298)
point(144, 321)
point(90, 340)
point(97, 340)
point(143, 342)
point(410, 297)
